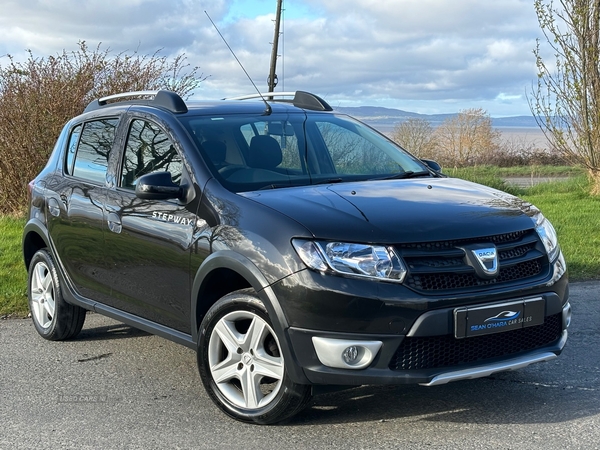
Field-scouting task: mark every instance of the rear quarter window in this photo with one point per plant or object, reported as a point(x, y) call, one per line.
point(72, 148)
point(91, 157)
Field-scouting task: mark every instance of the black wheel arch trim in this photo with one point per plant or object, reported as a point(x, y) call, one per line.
point(36, 227)
point(229, 259)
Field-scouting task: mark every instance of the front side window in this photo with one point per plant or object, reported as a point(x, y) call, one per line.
point(353, 154)
point(148, 150)
point(95, 143)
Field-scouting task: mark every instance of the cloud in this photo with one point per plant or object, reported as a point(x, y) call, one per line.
point(48, 26)
point(433, 53)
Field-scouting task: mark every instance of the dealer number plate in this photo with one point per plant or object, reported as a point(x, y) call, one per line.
point(481, 320)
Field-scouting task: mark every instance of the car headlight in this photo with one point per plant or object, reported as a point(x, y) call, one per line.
point(357, 260)
point(547, 234)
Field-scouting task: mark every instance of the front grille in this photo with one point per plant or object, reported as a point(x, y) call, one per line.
point(442, 266)
point(446, 351)
point(496, 239)
point(448, 281)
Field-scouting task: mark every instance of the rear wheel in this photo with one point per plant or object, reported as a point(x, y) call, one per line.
point(241, 363)
point(53, 318)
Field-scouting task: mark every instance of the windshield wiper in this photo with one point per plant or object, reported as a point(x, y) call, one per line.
point(328, 181)
point(404, 175)
point(274, 186)
point(314, 182)
point(284, 185)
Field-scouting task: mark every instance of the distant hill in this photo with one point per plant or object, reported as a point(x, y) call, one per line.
point(385, 119)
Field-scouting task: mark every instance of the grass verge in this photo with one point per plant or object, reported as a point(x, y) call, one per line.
point(517, 171)
point(567, 204)
point(13, 277)
point(574, 214)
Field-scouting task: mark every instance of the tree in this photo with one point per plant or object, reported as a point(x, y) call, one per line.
point(417, 136)
point(38, 96)
point(465, 138)
point(566, 100)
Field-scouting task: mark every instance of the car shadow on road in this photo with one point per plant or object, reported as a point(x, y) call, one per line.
point(107, 332)
point(509, 398)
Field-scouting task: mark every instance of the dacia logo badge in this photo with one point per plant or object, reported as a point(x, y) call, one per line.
point(483, 258)
point(488, 259)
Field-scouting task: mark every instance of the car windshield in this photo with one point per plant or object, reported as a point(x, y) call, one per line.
point(283, 150)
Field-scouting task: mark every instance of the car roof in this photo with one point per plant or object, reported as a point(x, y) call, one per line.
point(227, 107)
point(172, 102)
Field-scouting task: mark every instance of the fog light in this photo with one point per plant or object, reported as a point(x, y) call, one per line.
point(345, 353)
point(566, 317)
point(350, 355)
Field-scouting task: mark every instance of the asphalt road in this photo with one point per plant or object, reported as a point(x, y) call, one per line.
point(116, 387)
point(526, 182)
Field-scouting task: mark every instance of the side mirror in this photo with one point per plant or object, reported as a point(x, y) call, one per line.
point(157, 186)
point(432, 165)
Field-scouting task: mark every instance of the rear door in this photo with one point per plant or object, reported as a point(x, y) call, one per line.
point(76, 219)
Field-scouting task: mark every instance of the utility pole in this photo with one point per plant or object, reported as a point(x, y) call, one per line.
point(272, 80)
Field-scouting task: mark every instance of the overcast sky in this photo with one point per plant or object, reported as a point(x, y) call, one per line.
point(426, 56)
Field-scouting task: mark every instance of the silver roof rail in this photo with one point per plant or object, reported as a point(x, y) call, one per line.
point(104, 100)
point(168, 100)
point(301, 99)
point(270, 94)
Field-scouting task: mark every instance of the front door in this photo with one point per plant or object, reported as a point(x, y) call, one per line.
point(148, 241)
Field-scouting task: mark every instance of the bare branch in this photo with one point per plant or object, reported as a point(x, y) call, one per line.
point(38, 96)
point(566, 99)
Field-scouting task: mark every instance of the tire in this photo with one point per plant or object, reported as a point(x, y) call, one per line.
point(241, 363)
point(53, 318)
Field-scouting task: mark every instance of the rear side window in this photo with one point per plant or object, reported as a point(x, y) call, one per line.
point(148, 150)
point(91, 157)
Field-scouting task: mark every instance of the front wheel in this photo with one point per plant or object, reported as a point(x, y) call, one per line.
point(241, 363)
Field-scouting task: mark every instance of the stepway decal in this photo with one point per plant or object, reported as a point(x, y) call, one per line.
point(172, 218)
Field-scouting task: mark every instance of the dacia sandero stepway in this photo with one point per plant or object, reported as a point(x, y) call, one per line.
point(293, 247)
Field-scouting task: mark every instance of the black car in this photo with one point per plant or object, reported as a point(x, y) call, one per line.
point(295, 248)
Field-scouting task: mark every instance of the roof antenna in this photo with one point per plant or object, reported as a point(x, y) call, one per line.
point(268, 107)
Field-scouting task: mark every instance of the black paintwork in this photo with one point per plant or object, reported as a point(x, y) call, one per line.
point(394, 211)
point(159, 264)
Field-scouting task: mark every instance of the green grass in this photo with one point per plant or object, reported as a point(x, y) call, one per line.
point(575, 215)
point(494, 176)
point(567, 204)
point(13, 276)
point(517, 171)
point(483, 175)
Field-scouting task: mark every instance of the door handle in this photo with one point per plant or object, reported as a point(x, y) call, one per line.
point(114, 222)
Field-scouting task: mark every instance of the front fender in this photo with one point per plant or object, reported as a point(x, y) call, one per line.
point(227, 259)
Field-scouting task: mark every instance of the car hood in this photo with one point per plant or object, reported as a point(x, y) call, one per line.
point(394, 211)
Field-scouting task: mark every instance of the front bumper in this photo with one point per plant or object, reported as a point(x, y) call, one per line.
point(430, 355)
